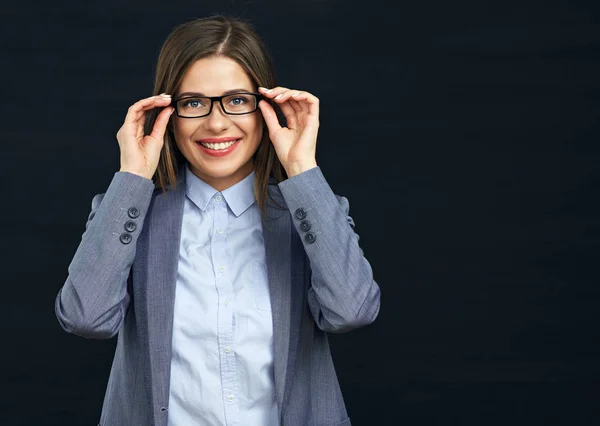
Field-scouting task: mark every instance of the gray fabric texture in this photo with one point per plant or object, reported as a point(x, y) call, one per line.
point(317, 286)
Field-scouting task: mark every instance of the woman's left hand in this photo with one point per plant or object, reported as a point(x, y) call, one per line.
point(295, 144)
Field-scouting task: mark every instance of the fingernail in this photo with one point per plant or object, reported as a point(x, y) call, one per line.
point(278, 96)
point(164, 95)
point(296, 94)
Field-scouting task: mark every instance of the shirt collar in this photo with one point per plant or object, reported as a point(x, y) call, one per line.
point(239, 197)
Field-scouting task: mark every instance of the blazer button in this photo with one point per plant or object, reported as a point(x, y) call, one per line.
point(300, 213)
point(305, 225)
point(310, 238)
point(133, 212)
point(130, 226)
point(125, 238)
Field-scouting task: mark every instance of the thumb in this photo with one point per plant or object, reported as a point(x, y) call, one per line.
point(270, 117)
point(160, 124)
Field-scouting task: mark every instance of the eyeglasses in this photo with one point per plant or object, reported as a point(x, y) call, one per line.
point(201, 106)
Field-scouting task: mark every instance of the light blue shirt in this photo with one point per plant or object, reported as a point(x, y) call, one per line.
point(222, 353)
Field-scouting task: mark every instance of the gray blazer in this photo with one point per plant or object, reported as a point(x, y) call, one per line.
point(122, 282)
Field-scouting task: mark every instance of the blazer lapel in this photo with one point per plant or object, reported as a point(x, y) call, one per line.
point(159, 268)
point(285, 288)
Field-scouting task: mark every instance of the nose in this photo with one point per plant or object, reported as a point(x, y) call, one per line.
point(217, 121)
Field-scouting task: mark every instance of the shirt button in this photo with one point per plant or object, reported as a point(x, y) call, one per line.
point(226, 302)
point(227, 349)
point(218, 198)
point(221, 268)
point(230, 397)
point(219, 231)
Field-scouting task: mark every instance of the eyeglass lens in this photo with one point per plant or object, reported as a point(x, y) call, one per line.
point(239, 103)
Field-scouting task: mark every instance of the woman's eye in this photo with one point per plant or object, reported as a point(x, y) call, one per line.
point(193, 103)
point(238, 100)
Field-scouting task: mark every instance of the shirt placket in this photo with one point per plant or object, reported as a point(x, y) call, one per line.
point(225, 313)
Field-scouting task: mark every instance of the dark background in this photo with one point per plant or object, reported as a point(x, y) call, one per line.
point(464, 134)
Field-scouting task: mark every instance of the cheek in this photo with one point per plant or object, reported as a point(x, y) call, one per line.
point(254, 128)
point(182, 130)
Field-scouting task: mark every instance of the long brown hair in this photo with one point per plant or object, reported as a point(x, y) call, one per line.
point(214, 36)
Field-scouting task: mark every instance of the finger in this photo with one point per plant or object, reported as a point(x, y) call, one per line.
point(149, 102)
point(298, 107)
point(285, 95)
point(272, 93)
point(305, 99)
point(270, 117)
point(310, 98)
point(290, 115)
point(136, 115)
point(133, 112)
point(139, 109)
point(298, 100)
point(160, 125)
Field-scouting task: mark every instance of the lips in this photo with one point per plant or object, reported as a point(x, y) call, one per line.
point(218, 147)
point(217, 140)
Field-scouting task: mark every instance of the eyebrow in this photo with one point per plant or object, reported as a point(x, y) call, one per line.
point(229, 92)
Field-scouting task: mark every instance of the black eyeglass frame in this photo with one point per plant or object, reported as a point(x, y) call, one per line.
point(258, 96)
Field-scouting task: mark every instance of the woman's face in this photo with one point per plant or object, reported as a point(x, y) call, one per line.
point(220, 168)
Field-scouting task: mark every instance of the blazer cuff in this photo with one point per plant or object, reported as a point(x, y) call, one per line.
point(312, 203)
point(124, 206)
point(131, 184)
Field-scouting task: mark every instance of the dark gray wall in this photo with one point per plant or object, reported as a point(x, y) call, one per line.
point(465, 135)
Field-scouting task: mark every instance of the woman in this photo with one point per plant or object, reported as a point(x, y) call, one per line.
point(219, 254)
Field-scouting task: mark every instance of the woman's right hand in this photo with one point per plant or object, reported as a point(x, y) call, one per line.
point(140, 153)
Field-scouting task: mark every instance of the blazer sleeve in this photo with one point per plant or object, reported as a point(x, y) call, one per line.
point(343, 294)
point(94, 299)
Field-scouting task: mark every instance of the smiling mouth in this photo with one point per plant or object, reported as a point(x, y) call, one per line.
point(219, 146)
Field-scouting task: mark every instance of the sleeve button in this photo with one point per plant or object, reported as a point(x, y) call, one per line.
point(130, 226)
point(305, 225)
point(133, 212)
point(310, 238)
point(125, 238)
point(300, 213)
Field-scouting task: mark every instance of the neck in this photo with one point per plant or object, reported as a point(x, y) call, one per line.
point(221, 183)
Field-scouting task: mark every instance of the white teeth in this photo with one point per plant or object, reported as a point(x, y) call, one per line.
point(217, 146)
